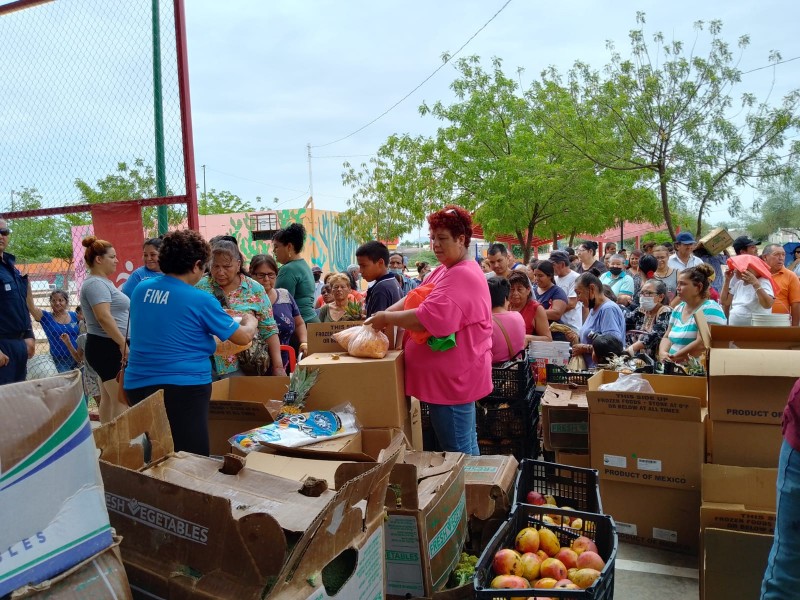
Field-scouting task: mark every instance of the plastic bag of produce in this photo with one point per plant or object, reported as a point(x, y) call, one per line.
point(363, 341)
point(628, 383)
point(301, 429)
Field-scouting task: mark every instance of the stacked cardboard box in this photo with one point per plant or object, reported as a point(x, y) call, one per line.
point(320, 336)
point(194, 529)
point(737, 520)
point(489, 485)
point(751, 371)
point(52, 507)
point(565, 420)
point(649, 449)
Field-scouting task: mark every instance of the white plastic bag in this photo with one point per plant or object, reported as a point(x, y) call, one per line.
point(363, 341)
point(628, 383)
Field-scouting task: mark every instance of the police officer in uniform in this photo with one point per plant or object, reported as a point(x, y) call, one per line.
point(16, 333)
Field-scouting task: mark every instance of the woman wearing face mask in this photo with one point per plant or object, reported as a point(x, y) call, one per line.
point(650, 319)
point(618, 280)
point(605, 316)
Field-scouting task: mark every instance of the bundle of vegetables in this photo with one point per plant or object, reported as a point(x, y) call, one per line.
point(464, 571)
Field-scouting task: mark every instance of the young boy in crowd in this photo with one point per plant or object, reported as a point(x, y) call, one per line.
point(373, 260)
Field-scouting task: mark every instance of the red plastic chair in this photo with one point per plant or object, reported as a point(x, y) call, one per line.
point(292, 357)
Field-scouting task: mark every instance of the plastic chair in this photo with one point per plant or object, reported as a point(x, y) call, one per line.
point(292, 357)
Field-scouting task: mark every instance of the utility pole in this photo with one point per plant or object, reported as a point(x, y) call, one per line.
point(310, 179)
point(158, 117)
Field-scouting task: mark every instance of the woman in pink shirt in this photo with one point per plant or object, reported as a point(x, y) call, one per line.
point(449, 381)
point(508, 333)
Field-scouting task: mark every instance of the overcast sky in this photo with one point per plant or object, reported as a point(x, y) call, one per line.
point(268, 77)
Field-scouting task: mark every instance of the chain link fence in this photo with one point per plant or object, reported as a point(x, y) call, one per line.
point(93, 113)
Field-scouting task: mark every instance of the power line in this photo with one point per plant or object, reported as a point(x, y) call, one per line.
point(342, 156)
point(780, 62)
point(424, 81)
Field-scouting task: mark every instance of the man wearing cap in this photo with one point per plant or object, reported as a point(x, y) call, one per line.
point(683, 258)
point(787, 297)
point(565, 279)
point(16, 333)
point(744, 245)
point(318, 283)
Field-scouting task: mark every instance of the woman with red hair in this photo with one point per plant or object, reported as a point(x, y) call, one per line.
point(449, 380)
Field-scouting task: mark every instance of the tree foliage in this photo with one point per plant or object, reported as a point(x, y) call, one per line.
point(223, 202)
point(672, 117)
point(778, 209)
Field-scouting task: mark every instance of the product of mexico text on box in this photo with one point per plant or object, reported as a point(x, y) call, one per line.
point(100, 576)
point(540, 482)
point(590, 548)
point(565, 417)
point(203, 528)
point(740, 500)
point(427, 523)
point(239, 404)
point(745, 444)
point(634, 435)
point(489, 485)
point(649, 515)
point(52, 506)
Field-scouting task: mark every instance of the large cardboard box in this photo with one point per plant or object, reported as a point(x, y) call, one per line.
point(374, 386)
point(197, 527)
point(649, 438)
point(239, 404)
point(741, 500)
point(565, 418)
point(427, 523)
point(734, 563)
point(574, 459)
point(716, 241)
point(745, 444)
point(52, 508)
point(649, 515)
point(750, 386)
point(100, 576)
point(748, 338)
point(489, 485)
point(320, 340)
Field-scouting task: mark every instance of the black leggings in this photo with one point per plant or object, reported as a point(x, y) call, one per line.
point(103, 355)
point(187, 411)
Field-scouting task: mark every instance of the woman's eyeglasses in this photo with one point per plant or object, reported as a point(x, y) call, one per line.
point(261, 275)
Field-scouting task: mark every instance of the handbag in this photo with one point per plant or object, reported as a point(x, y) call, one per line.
point(255, 360)
point(122, 395)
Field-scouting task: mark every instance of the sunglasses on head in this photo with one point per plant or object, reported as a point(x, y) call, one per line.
point(5, 231)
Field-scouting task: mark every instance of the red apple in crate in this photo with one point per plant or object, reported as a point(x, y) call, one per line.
point(507, 562)
point(582, 544)
point(584, 578)
point(531, 564)
point(527, 540)
point(590, 560)
point(509, 582)
point(552, 567)
point(535, 498)
point(568, 556)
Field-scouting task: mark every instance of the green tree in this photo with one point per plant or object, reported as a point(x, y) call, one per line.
point(223, 202)
point(778, 209)
point(40, 239)
point(673, 118)
point(130, 182)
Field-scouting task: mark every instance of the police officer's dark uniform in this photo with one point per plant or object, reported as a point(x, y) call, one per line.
point(15, 320)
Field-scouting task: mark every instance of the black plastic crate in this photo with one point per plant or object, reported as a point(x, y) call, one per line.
point(599, 528)
point(575, 487)
point(557, 374)
point(512, 381)
point(507, 418)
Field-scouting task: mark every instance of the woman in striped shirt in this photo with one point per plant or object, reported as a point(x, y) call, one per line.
point(682, 340)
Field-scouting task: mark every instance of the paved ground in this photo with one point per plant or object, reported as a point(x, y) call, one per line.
point(645, 573)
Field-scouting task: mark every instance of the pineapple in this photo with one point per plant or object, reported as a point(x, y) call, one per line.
point(300, 384)
point(353, 311)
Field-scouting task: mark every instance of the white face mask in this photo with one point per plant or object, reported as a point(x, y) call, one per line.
point(647, 303)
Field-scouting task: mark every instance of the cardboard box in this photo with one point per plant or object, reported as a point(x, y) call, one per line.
point(634, 436)
point(738, 498)
point(489, 486)
point(750, 386)
point(239, 404)
point(716, 241)
point(748, 338)
point(574, 459)
point(374, 386)
point(320, 340)
point(427, 523)
point(52, 506)
point(194, 529)
point(745, 444)
point(101, 576)
point(658, 517)
point(734, 563)
point(565, 418)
